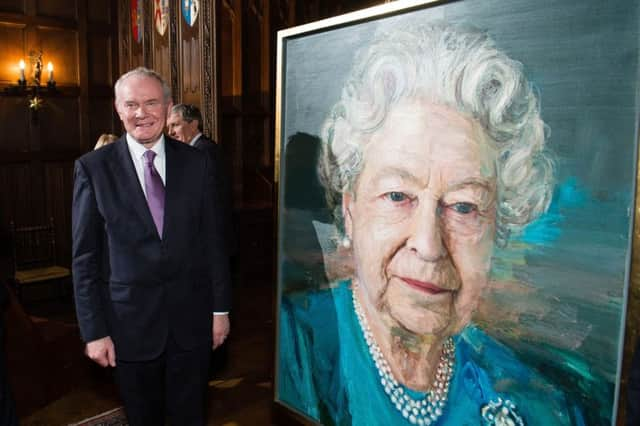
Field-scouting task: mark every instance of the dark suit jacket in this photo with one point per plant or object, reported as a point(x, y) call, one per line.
point(130, 284)
point(223, 183)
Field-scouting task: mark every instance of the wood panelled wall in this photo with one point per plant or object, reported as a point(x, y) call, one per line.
point(37, 150)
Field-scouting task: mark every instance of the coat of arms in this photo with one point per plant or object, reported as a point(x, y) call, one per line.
point(136, 20)
point(161, 15)
point(190, 9)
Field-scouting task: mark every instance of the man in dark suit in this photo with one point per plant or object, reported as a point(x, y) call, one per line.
point(150, 268)
point(185, 124)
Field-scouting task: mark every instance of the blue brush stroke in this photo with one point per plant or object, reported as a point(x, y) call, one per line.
point(573, 206)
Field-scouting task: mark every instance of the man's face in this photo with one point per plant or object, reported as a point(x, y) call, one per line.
point(142, 108)
point(181, 129)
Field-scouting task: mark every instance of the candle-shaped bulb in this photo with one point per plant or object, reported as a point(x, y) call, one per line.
point(50, 68)
point(22, 79)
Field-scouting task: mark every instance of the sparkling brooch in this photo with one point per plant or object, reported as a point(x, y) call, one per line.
point(501, 412)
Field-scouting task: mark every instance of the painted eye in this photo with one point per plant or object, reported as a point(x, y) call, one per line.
point(463, 208)
point(397, 197)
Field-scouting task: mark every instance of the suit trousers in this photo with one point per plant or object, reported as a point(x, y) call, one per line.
point(172, 386)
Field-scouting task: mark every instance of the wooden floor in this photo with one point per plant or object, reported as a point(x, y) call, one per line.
point(54, 384)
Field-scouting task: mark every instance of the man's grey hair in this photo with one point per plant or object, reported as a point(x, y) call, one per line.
point(144, 72)
point(188, 113)
point(459, 67)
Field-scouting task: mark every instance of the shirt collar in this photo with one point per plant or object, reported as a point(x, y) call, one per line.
point(195, 138)
point(137, 150)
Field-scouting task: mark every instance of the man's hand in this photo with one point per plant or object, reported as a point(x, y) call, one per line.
point(221, 327)
point(102, 352)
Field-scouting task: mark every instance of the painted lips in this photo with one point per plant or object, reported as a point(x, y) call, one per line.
point(423, 286)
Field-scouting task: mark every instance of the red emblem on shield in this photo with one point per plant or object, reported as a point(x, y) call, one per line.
point(136, 20)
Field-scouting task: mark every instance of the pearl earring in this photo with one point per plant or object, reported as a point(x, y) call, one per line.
point(346, 242)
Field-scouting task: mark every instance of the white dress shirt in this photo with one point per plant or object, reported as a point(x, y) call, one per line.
point(137, 151)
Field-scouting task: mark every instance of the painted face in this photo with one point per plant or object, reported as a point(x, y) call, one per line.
point(422, 219)
point(142, 108)
point(181, 129)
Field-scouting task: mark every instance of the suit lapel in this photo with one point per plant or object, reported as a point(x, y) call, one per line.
point(173, 180)
point(128, 183)
point(199, 141)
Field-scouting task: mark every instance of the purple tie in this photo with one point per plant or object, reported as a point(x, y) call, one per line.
point(155, 190)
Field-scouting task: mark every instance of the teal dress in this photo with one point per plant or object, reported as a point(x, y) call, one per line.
point(326, 372)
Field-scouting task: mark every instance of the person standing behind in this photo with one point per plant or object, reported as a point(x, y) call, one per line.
point(105, 139)
point(185, 124)
point(150, 270)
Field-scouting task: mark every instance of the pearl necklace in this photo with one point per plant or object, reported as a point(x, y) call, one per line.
point(422, 412)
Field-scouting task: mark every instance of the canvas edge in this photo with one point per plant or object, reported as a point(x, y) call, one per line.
point(630, 325)
point(631, 298)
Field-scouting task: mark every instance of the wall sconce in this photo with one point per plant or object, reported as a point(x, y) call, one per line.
point(33, 90)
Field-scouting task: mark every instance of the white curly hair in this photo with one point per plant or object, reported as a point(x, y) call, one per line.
point(453, 65)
